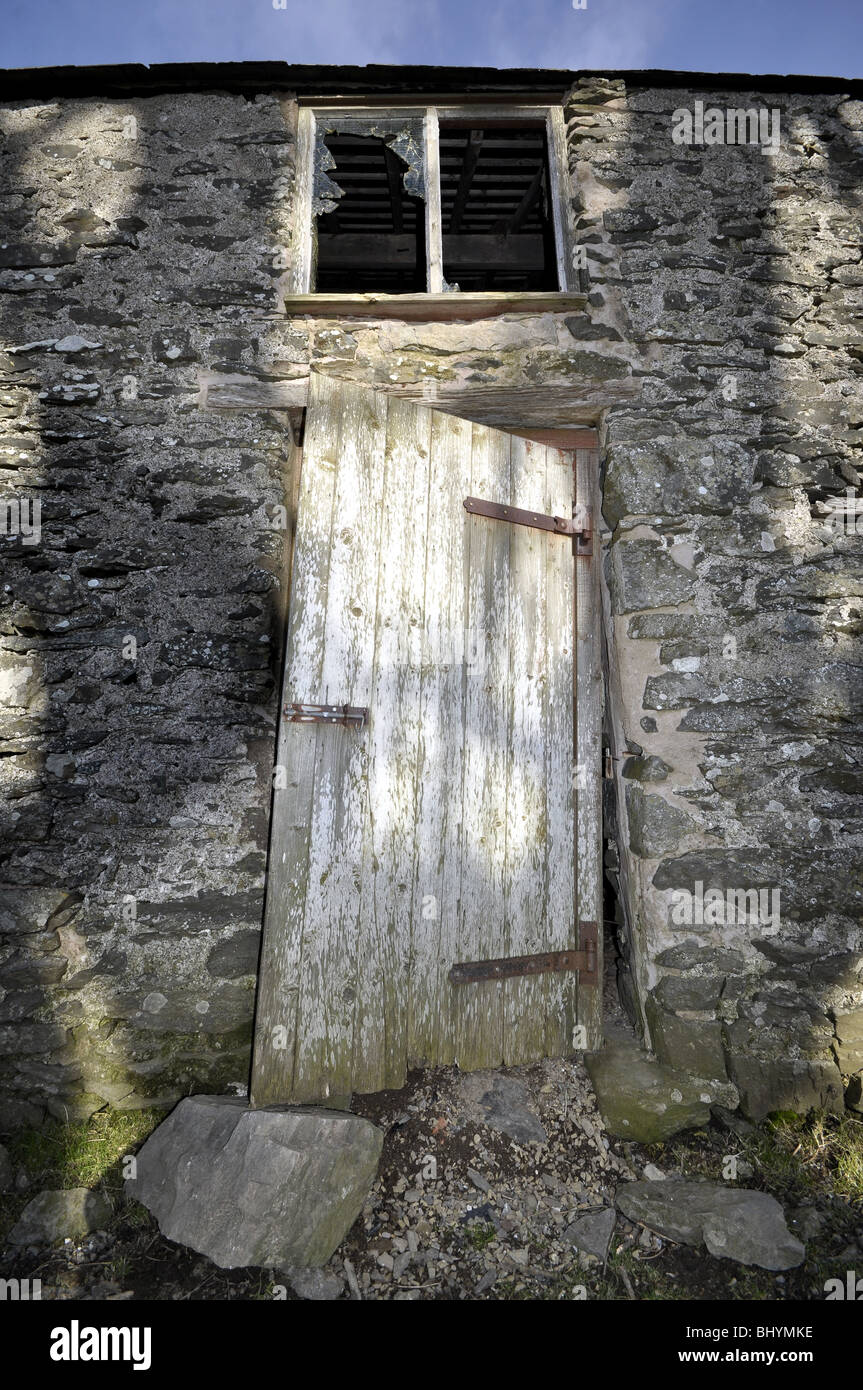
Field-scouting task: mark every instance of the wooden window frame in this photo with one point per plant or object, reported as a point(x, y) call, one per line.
point(435, 303)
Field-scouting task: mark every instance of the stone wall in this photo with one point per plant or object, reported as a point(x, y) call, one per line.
point(141, 637)
point(138, 243)
point(734, 277)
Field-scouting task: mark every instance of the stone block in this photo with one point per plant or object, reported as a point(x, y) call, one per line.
point(800, 1085)
point(734, 1223)
point(275, 1187)
point(644, 1100)
point(655, 826)
point(848, 1047)
point(643, 576)
point(688, 1045)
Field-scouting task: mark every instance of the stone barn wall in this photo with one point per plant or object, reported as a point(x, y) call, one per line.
point(735, 279)
point(140, 639)
point(139, 244)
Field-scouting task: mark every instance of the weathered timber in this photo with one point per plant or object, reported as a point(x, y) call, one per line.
point(549, 408)
point(588, 738)
point(477, 304)
point(443, 830)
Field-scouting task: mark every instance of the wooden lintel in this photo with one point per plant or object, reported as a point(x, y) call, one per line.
point(555, 413)
point(433, 307)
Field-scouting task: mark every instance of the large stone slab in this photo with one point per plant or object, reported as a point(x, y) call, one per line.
point(274, 1187)
point(643, 1100)
point(733, 1222)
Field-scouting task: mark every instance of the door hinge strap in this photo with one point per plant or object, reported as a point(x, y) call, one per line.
point(578, 527)
point(355, 715)
point(584, 961)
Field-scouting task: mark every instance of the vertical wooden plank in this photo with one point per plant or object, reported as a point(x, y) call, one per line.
point(588, 737)
point(380, 1033)
point(434, 235)
point(278, 987)
point(479, 1007)
point(561, 992)
point(565, 238)
point(437, 882)
point(328, 979)
point(526, 861)
point(298, 278)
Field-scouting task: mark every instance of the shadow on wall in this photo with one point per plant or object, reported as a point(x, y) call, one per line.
point(141, 628)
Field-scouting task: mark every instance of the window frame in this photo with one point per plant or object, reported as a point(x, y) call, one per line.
point(434, 301)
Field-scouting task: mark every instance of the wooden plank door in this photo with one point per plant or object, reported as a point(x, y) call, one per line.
point(445, 829)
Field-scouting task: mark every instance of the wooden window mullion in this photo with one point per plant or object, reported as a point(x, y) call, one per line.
point(434, 235)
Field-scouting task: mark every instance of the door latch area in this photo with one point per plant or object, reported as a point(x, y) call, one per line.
point(545, 962)
point(578, 527)
point(355, 716)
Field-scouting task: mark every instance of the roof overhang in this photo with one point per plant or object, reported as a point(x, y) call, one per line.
point(331, 82)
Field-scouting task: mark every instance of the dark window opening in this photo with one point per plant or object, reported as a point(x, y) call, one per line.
point(498, 231)
point(374, 240)
point(496, 210)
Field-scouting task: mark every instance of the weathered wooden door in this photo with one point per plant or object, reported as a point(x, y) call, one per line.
point(444, 830)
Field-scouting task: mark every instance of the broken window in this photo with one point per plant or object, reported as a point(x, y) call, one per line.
point(432, 201)
point(497, 226)
point(372, 238)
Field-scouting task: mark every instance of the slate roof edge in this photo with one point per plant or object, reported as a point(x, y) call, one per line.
point(331, 80)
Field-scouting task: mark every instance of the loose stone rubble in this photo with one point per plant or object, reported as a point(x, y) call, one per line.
point(465, 1209)
point(462, 1210)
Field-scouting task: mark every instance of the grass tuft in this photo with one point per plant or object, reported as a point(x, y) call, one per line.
point(822, 1154)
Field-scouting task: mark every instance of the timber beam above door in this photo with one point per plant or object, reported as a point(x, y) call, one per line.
point(562, 414)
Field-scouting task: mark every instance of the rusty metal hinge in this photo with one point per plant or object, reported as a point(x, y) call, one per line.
point(354, 715)
point(578, 527)
point(584, 961)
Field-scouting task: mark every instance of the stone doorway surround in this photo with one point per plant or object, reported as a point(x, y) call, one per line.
point(534, 412)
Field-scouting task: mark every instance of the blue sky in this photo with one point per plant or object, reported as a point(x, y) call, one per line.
point(805, 36)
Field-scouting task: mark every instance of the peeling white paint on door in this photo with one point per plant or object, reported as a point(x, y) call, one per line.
point(444, 830)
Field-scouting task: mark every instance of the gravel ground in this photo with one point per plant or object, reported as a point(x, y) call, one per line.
point(461, 1208)
point(486, 1184)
